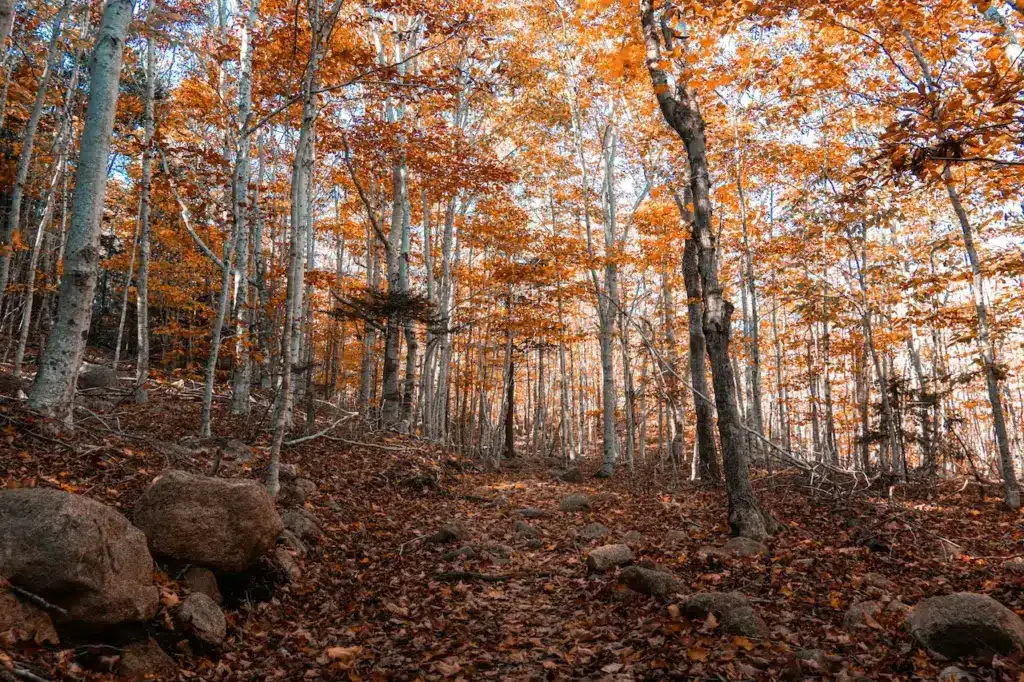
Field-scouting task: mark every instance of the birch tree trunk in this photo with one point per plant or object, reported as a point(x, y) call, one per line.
point(703, 412)
point(142, 280)
point(53, 51)
point(54, 387)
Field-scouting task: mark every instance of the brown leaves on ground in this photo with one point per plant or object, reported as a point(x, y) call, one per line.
point(373, 603)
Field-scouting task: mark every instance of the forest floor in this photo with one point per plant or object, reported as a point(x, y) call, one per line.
point(379, 601)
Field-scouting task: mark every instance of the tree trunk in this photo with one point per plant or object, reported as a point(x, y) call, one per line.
point(54, 387)
point(703, 412)
point(682, 112)
point(142, 280)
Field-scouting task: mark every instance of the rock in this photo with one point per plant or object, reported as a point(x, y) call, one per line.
point(496, 552)
point(287, 473)
point(303, 524)
point(603, 496)
point(531, 513)
point(23, 621)
point(199, 579)
point(1014, 565)
point(633, 537)
point(78, 554)
point(650, 582)
point(288, 565)
point(735, 547)
point(296, 493)
point(534, 543)
point(219, 523)
point(862, 614)
point(575, 502)
point(290, 540)
point(449, 533)
point(200, 618)
point(12, 385)
point(146, 661)
point(524, 530)
point(570, 476)
point(97, 376)
point(966, 624)
point(733, 611)
point(607, 557)
point(675, 537)
point(593, 531)
point(878, 581)
point(954, 674)
point(464, 552)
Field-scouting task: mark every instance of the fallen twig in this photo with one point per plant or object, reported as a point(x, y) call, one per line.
point(324, 432)
point(37, 600)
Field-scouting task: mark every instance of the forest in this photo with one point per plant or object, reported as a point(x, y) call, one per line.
point(685, 337)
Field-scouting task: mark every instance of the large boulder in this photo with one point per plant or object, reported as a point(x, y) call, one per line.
point(78, 554)
point(734, 613)
point(966, 625)
point(97, 376)
point(219, 523)
point(608, 557)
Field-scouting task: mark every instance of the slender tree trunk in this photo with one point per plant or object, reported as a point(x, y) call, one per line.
point(142, 281)
point(703, 410)
point(54, 387)
point(682, 112)
point(124, 296)
point(53, 51)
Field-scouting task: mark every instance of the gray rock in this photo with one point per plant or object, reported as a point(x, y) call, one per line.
point(289, 566)
point(632, 537)
point(290, 540)
point(199, 579)
point(650, 582)
point(608, 557)
point(878, 581)
point(77, 553)
point(464, 552)
point(296, 493)
point(449, 533)
point(146, 661)
point(200, 618)
point(593, 531)
point(219, 523)
point(97, 376)
point(862, 614)
point(735, 547)
point(675, 537)
point(734, 613)
point(570, 476)
point(1014, 565)
point(288, 472)
point(303, 524)
point(575, 503)
point(966, 624)
point(524, 530)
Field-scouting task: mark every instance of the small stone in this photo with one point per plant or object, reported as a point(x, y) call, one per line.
point(735, 547)
point(146, 661)
point(608, 557)
point(534, 543)
point(593, 531)
point(1014, 565)
point(449, 533)
point(603, 496)
point(954, 674)
point(301, 523)
point(966, 625)
point(524, 530)
point(291, 541)
point(575, 503)
point(675, 537)
point(733, 611)
point(653, 583)
point(862, 614)
point(296, 493)
point(201, 618)
point(288, 472)
point(633, 537)
point(531, 513)
point(288, 564)
point(497, 553)
point(570, 476)
point(97, 376)
point(199, 579)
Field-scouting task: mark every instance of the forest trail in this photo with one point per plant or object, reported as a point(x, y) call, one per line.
point(383, 595)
